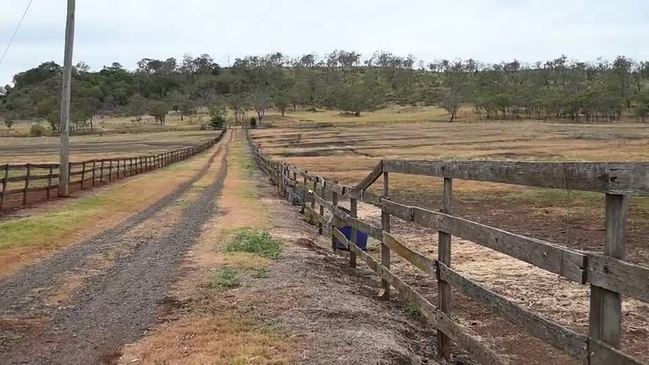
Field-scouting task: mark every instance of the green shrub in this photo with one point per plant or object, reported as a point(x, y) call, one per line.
point(413, 310)
point(253, 122)
point(217, 122)
point(36, 130)
point(256, 242)
point(225, 278)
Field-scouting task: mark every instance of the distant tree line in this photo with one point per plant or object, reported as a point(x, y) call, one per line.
point(342, 80)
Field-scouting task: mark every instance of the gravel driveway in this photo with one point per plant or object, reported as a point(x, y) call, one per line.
point(119, 303)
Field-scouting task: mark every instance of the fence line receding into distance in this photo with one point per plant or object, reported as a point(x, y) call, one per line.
point(21, 184)
point(607, 274)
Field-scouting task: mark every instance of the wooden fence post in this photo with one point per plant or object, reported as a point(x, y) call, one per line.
point(4, 186)
point(334, 200)
point(353, 204)
point(385, 226)
point(117, 169)
point(286, 187)
point(94, 168)
point(83, 173)
point(101, 172)
point(315, 187)
point(323, 193)
point(444, 256)
point(294, 198)
point(110, 170)
point(304, 192)
point(29, 170)
point(49, 183)
point(605, 317)
point(280, 174)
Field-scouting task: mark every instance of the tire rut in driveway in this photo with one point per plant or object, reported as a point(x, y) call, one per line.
point(120, 304)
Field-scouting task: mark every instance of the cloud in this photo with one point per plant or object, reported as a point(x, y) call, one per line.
point(489, 30)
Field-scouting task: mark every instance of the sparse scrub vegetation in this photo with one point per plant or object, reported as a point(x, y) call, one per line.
point(413, 310)
point(37, 130)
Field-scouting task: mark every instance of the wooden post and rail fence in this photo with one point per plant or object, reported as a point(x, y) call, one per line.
point(21, 184)
point(609, 276)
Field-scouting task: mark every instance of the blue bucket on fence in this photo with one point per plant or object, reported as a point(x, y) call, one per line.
point(361, 238)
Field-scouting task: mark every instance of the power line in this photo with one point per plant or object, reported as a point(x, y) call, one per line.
point(4, 54)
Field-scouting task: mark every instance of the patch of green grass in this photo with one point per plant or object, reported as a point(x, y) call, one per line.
point(226, 278)
point(32, 231)
point(254, 241)
point(413, 311)
point(247, 165)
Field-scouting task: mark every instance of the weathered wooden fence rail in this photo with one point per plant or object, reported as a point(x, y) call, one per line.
point(21, 184)
point(608, 275)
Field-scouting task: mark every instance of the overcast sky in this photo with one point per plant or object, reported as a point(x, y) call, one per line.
point(489, 30)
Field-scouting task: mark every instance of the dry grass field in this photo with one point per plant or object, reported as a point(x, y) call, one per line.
point(575, 219)
point(46, 149)
point(389, 114)
point(114, 124)
point(347, 154)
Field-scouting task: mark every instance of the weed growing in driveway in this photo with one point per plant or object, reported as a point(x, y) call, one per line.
point(225, 278)
point(254, 241)
point(413, 311)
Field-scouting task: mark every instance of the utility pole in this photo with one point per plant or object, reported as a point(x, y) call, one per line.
point(64, 164)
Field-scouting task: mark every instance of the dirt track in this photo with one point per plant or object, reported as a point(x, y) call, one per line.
point(136, 293)
point(128, 271)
